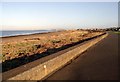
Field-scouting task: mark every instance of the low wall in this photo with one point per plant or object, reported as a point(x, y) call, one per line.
point(46, 68)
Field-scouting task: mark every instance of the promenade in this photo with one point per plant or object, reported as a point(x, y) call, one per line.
point(100, 62)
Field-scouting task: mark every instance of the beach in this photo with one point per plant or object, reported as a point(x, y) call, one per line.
point(20, 37)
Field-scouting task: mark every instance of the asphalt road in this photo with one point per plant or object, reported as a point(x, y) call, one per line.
point(100, 62)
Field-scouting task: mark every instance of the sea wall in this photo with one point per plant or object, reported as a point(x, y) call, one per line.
point(43, 70)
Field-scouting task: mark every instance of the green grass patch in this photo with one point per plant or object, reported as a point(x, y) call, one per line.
point(117, 32)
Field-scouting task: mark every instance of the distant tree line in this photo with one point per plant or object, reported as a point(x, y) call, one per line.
point(104, 29)
point(113, 29)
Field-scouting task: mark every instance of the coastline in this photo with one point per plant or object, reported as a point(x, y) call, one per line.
point(13, 33)
point(17, 38)
point(27, 34)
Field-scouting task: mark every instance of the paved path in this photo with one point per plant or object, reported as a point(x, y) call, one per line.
point(100, 62)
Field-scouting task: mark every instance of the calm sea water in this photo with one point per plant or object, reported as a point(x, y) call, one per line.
point(21, 32)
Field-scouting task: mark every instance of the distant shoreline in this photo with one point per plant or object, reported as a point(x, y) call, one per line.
point(19, 38)
point(25, 33)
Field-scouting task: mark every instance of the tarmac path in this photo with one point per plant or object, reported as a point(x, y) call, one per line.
point(100, 62)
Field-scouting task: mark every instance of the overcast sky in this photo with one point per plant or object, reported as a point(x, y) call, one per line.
point(49, 15)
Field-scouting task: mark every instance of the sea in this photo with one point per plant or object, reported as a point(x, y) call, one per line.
point(6, 33)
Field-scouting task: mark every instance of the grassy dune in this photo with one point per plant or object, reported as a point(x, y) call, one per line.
point(31, 46)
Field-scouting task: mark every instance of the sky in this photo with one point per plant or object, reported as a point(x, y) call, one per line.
point(60, 0)
point(56, 15)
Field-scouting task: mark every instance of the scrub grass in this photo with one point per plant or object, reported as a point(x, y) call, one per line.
point(31, 46)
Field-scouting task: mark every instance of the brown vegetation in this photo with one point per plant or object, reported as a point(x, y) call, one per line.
point(31, 46)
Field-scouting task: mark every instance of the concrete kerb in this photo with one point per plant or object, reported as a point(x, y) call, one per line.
point(47, 68)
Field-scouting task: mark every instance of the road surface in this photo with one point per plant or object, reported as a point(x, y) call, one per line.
point(100, 62)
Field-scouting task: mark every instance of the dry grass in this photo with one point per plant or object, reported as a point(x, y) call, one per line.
point(31, 46)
